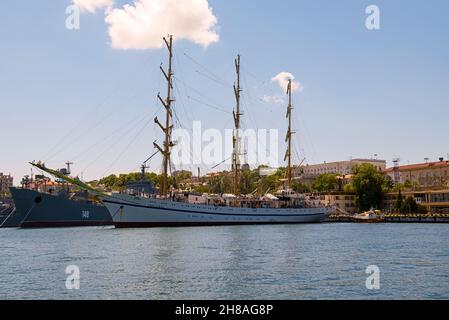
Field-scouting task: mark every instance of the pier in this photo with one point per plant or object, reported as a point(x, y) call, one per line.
point(393, 218)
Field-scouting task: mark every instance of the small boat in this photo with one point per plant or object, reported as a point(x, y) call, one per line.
point(371, 216)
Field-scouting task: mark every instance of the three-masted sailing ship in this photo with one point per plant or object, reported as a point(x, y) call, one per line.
point(168, 210)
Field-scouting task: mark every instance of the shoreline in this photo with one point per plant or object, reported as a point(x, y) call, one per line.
point(394, 218)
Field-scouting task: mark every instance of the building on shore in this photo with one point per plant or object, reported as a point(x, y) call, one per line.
point(422, 175)
point(435, 201)
point(339, 167)
point(345, 202)
point(343, 169)
point(6, 181)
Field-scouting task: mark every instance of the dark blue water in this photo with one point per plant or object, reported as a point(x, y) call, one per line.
point(323, 261)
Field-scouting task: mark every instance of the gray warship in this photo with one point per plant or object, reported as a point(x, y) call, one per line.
point(42, 210)
point(42, 203)
point(65, 208)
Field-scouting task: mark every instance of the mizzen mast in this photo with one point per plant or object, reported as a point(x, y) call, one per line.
point(288, 138)
point(167, 129)
point(236, 136)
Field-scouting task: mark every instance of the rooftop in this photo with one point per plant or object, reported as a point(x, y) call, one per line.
point(421, 166)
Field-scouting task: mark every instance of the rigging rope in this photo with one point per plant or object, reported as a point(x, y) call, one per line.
point(126, 148)
point(209, 105)
point(212, 76)
point(116, 89)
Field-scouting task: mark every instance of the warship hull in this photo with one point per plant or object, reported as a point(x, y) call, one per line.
point(135, 212)
point(40, 210)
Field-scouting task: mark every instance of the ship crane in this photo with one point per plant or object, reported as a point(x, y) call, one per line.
point(144, 165)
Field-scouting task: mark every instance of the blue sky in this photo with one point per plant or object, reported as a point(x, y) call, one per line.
point(68, 95)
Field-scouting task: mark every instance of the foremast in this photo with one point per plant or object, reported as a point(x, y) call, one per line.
point(288, 138)
point(165, 150)
point(236, 136)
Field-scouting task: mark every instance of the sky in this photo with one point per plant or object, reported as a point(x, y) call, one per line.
point(89, 95)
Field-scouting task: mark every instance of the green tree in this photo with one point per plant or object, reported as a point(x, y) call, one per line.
point(249, 181)
point(325, 182)
point(300, 187)
point(409, 206)
point(184, 175)
point(369, 186)
point(399, 202)
point(113, 182)
point(272, 183)
point(349, 188)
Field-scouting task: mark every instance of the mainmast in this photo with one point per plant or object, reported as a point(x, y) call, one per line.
point(288, 138)
point(236, 137)
point(167, 129)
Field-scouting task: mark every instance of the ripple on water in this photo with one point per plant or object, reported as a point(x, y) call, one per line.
point(324, 261)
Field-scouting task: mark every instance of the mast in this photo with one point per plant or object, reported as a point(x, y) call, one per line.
point(68, 163)
point(288, 138)
point(167, 129)
point(143, 168)
point(236, 137)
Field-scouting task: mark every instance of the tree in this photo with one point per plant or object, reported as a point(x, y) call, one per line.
point(399, 202)
point(369, 185)
point(248, 181)
point(300, 187)
point(349, 188)
point(113, 182)
point(183, 175)
point(389, 184)
point(409, 206)
point(325, 182)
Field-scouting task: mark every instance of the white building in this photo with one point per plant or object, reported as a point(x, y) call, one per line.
point(429, 174)
point(339, 167)
point(6, 181)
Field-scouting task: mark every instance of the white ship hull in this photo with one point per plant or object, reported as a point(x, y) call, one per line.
point(132, 212)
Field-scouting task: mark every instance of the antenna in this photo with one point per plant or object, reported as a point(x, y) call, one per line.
point(68, 163)
point(397, 174)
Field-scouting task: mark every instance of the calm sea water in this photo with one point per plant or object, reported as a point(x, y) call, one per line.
point(323, 261)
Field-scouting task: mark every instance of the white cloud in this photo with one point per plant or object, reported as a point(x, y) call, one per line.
point(282, 80)
point(276, 99)
point(93, 5)
point(143, 24)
